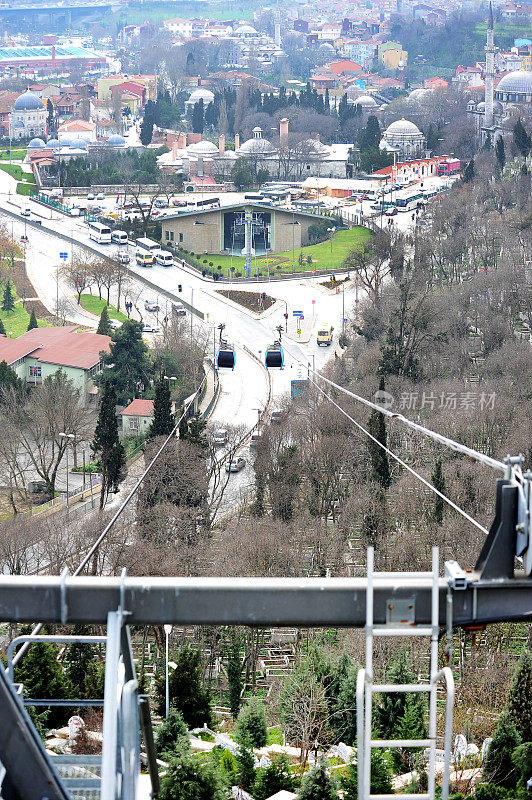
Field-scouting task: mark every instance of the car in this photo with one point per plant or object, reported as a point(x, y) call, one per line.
point(123, 258)
point(256, 439)
point(391, 212)
point(220, 436)
point(26, 211)
point(90, 196)
point(160, 203)
point(151, 305)
point(147, 328)
point(276, 415)
point(235, 465)
point(100, 196)
point(115, 324)
point(179, 310)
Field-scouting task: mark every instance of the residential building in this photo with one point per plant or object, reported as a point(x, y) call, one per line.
point(75, 130)
point(392, 55)
point(39, 353)
point(137, 417)
point(362, 52)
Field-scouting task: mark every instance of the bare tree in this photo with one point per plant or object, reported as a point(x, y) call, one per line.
point(371, 263)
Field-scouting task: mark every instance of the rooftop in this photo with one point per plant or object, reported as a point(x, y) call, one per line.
point(65, 346)
point(139, 408)
point(45, 52)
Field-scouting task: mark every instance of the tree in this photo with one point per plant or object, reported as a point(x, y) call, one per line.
point(469, 172)
point(522, 761)
point(303, 708)
point(79, 658)
point(519, 703)
point(106, 444)
point(8, 301)
point(127, 366)
point(251, 724)
point(318, 784)
point(241, 174)
point(186, 689)
point(370, 136)
point(163, 420)
point(188, 779)
point(521, 138)
point(2, 329)
point(41, 674)
point(246, 768)
point(50, 114)
point(274, 778)
point(380, 777)
point(234, 675)
point(371, 263)
point(198, 120)
point(148, 121)
point(104, 327)
point(392, 708)
point(9, 378)
point(33, 320)
point(380, 467)
point(438, 481)
point(500, 153)
point(498, 766)
point(172, 734)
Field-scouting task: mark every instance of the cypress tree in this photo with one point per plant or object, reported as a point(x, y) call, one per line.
point(234, 676)
point(318, 784)
point(198, 117)
point(2, 329)
point(521, 138)
point(520, 697)
point(8, 301)
point(500, 152)
point(163, 419)
point(104, 326)
point(41, 674)
point(251, 724)
point(33, 320)
point(79, 656)
point(171, 734)
point(469, 172)
point(187, 692)
point(106, 445)
point(380, 467)
point(380, 777)
point(246, 768)
point(498, 766)
point(438, 481)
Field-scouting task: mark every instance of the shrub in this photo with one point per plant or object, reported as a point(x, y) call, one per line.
point(210, 264)
point(171, 733)
point(251, 724)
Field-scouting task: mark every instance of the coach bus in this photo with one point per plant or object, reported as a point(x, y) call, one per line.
point(99, 233)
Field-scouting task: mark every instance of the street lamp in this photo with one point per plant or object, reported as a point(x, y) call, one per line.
point(331, 231)
point(167, 632)
point(67, 436)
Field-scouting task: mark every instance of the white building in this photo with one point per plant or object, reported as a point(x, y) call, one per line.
point(404, 138)
point(27, 120)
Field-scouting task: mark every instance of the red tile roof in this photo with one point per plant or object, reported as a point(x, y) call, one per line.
point(64, 346)
point(139, 408)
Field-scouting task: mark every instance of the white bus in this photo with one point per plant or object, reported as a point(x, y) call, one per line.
point(99, 233)
point(164, 258)
point(409, 201)
point(147, 244)
point(145, 251)
point(119, 237)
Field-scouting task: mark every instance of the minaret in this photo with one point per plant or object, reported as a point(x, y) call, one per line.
point(490, 51)
point(278, 27)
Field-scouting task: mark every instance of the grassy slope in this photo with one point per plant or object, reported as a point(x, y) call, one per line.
point(322, 257)
point(16, 322)
point(93, 304)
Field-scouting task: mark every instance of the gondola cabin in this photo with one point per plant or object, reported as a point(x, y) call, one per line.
point(274, 356)
point(226, 358)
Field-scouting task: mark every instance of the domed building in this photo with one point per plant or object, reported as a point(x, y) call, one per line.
point(515, 88)
point(116, 141)
point(256, 146)
point(366, 103)
point(27, 120)
point(404, 138)
point(203, 149)
point(199, 94)
point(36, 144)
point(246, 32)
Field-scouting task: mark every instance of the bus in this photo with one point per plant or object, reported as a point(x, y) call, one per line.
point(255, 198)
point(99, 233)
point(209, 202)
point(145, 251)
point(410, 201)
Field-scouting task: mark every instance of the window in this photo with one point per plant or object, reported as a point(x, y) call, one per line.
point(35, 372)
point(133, 423)
point(171, 236)
point(180, 237)
point(167, 235)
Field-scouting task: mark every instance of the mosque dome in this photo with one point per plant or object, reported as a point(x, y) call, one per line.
point(366, 101)
point(518, 82)
point(36, 144)
point(246, 30)
point(28, 102)
point(256, 145)
point(53, 144)
point(203, 148)
point(201, 94)
point(402, 127)
point(116, 140)
point(418, 94)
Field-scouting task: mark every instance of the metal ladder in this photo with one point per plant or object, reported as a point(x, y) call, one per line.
point(399, 624)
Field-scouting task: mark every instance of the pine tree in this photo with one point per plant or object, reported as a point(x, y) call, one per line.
point(318, 784)
point(172, 734)
point(2, 329)
point(469, 172)
point(498, 766)
point(274, 778)
point(186, 778)
point(521, 138)
point(41, 674)
point(106, 445)
point(9, 378)
point(79, 656)
point(380, 466)
point(519, 702)
point(8, 301)
point(198, 120)
point(438, 481)
point(104, 326)
point(234, 676)
point(186, 689)
point(196, 432)
point(251, 724)
point(500, 152)
point(127, 365)
point(246, 768)
point(163, 420)
point(369, 137)
point(380, 777)
point(33, 320)
point(392, 709)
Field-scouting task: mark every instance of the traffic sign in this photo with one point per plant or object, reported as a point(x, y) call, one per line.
point(63, 255)
point(296, 313)
point(301, 317)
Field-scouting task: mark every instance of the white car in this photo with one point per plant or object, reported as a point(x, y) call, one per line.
point(151, 305)
point(235, 465)
point(115, 324)
point(100, 196)
point(147, 328)
point(220, 436)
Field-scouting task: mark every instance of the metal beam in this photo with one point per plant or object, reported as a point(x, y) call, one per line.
point(27, 766)
point(308, 602)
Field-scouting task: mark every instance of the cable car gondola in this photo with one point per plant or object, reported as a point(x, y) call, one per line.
point(274, 356)
point(226, 357)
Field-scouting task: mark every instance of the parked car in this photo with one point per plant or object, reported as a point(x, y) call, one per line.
point(235, 465)
point(220, 436)
point(276, 415)
point(147, 328)
point(255, 439)
point(26, 211)
point(159, 202)
point(391, 212)
point(90, 196)
point(115, 324)
point(151, 305)
point(123, 258)
point(100, 196)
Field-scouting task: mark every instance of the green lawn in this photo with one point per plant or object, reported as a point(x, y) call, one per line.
point(16, 322)
point(16, 155)
point(92, 303)
point(323, 258)
point(275, 736)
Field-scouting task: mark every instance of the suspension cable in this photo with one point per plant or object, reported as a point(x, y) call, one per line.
point(401, 462)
